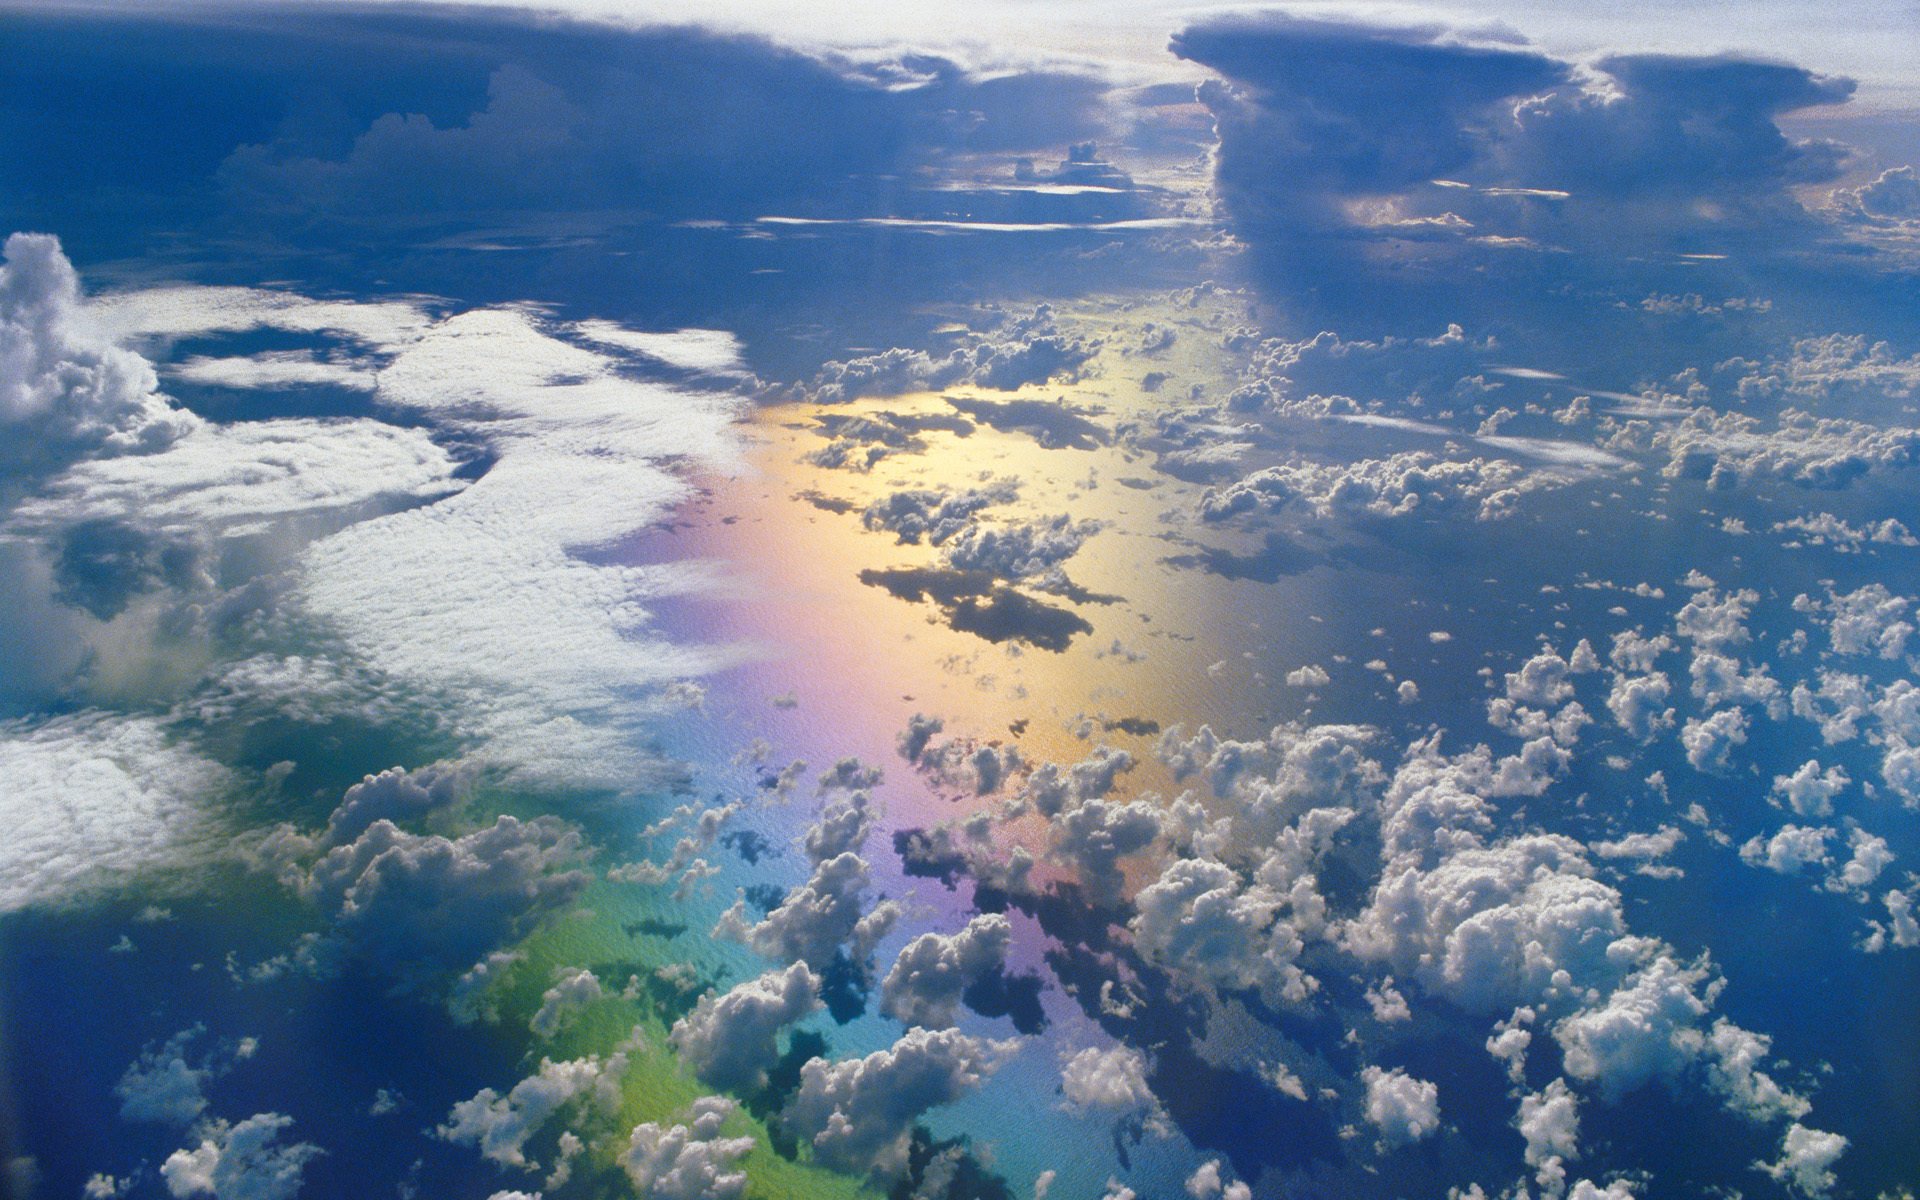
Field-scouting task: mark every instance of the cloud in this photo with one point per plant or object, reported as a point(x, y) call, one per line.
point(857, 1114)
point(1113, 1080)
point(1401, 485)
point(844, 825)
point(1648, 1028)
point(690, 1161)
point(574, 989)
point(578, 117)
point(246, 1161)
point(934, 971)
point(1404, 1109)
point(419, 903)
point(812, 923)
point(162, 1086)
point(499, 1126)
point(94, 797)
point(1709, 740)
point(730, 1041)
point(1199, 920)
point(395, 794)
point(1549, 1120)
point(232, 479)
point(1025, 349)
point(1337, 135)
point(1806, 1160)
point(65, 390)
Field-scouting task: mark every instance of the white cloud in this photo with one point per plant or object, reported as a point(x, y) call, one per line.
point(934, 970)
point(65, 389)
point(234, 478)
point(1404, 1109)
point(1809, 791)
point(730, 1040)
point(574, 989)
point(1549, 1120)
point(1397, 486)
point(816, 918)
point(484, 598)
point(93, 797)
point(857, 1114)
point(1709, 740)
point(1806, 1160)
point(246, 1161)
point(499, 1126)
point(690, 1161)
point(1113, 1079)
point(1793, 849)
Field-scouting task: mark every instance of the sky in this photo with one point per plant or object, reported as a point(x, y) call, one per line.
point(1090, 603)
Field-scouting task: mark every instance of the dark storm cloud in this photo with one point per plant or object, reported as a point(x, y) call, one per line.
point(374, 114)
point(1333, 130)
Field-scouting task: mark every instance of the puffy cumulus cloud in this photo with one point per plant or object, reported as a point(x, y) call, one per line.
point(731, 1040)
point(161, 1085)
point(1023, 551)
point(1202, 922)
point(1025, 350)
point(574, 989)
point(1710, 740)
point(843, 827)
point(1110, 1080)
point(935, 970)
point(1093, 836)
point(1790, 851)
point(1725, 448)
point(1206, 1183)
point(914, 514)
point(1404, 1109)
point(1269, 784)
point(857, 1114)
point(817, 918)
point(66, 391)
point(93, 797)
point(1400, 485)
point(1890, 198)
point(1491, 926)
point(244, 1161)
point(395, 794)
point(1639, 703)
point(1549, 1120)
point(1733, 1058)
point(1648, 1028)
point(1869, 855)
point(1806, 1160)
point(688, 1161)
point(1870, 620)
point(500, 1126)
point(1809, 790)
point(427, 902)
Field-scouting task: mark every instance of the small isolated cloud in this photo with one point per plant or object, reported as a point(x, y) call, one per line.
point(1404, 1109)
point(500, 1126)
point(244, 1161)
